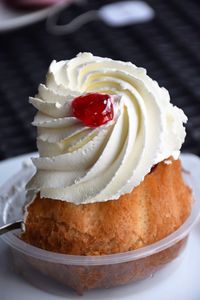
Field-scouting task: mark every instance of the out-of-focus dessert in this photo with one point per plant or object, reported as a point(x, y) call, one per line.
point(108, 177)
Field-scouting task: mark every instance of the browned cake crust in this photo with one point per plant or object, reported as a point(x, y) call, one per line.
point(153, 210)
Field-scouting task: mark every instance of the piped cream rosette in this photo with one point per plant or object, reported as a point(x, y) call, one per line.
point(80, 164)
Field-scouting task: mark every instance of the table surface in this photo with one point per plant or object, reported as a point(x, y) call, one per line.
point(168, 46)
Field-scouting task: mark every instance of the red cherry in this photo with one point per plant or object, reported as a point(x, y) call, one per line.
point(93, 109)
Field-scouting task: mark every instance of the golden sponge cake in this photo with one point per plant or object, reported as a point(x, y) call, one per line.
point(153, 210)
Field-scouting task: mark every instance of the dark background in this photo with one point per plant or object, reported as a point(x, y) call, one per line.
point(168, 46)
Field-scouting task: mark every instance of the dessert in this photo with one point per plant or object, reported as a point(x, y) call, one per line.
point(108, 179)
point(154, 209)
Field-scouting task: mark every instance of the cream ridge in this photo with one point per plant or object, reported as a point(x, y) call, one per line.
point(80, 164)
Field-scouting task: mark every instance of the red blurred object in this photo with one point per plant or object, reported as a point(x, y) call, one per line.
point(31, 4)
point(93, 109)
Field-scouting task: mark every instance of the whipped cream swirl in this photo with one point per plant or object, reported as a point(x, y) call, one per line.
point(80, 164)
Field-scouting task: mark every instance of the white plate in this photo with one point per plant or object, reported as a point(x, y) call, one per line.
point(179, 280)
point(12, 18)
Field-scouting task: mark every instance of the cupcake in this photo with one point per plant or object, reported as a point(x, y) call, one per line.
point(108, 177)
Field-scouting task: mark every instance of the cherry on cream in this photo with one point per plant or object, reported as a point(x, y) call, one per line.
point(93, 109)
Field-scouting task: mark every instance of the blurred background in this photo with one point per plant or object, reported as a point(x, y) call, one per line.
point(166, 43)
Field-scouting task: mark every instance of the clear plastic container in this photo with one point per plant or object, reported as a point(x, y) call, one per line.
point(81, 273)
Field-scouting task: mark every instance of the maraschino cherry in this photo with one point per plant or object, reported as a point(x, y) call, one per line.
point(93, 109)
